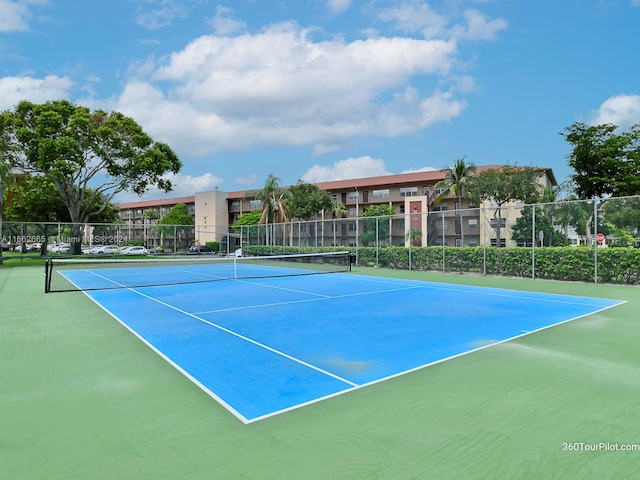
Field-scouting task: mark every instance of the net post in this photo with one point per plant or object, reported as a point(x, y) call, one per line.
point(47, 275)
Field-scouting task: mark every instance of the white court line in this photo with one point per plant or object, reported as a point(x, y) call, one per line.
point(353, 385)
point(235, 334)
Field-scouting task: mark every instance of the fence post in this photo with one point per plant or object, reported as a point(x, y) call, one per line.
point(484, 243)
point(377, 242)
point(595, 240)
point(533, 242)
point(443, 244)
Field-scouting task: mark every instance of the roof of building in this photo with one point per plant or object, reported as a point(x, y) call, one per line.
point(428, 176)
point(157, 203)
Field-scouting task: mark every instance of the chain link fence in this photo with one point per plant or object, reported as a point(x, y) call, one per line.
point(588, 241)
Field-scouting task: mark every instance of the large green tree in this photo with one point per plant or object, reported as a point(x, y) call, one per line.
point(523, 228)
point(376, 224)
point(34, 199)
point(174, 222)
point(503, 185)
point(308, 200)
point(605, 162)
point(247, 224)
point(76, 148)
point(455, 183)
point(177, 215)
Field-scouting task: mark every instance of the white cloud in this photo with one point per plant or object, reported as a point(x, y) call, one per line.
point(162, 14)
point(224, 23)
point(415, 16)
point(279, 87)
point(620, 110)
point(183, 186)
point(479, 27)
point(635, 3)
point(338, 6)
point(15, 15)
point(13, 90)
point(359, 167)
point(420, 169)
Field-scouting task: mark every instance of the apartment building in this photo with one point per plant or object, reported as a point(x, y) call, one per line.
point(138, 227)
point(418, 220)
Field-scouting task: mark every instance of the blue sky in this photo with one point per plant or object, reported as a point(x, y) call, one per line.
point(332, 89)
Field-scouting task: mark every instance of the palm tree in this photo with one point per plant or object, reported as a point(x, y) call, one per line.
point(275, 201)
point(575, 213)
point(338, 208)
point(455, 183)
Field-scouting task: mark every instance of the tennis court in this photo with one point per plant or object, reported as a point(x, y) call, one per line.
point(82, 397)
point(271, 338)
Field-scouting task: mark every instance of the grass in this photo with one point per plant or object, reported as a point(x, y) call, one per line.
point(81, 397)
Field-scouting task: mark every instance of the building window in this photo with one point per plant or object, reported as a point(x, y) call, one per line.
point(352, 197)
point(494, 222)
point(473, 223)
point(503, 242)
point(255, 204)
point(409, 191)
point(352, 227)
point(441, 208)
point(353, 212)
point(380, 193)
point(235, 205)
point(334, 197)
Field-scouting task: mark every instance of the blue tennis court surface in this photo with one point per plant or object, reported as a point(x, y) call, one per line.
point(265, 346)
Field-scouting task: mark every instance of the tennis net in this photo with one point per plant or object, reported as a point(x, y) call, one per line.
point(64, 275)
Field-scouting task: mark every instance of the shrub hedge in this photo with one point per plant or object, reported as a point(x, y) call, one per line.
point(575, 264)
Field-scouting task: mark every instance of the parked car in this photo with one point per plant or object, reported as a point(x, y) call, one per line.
point(59, 248)
point(96, 249)
point(200, 249)
point(100, 249)
point(31, 247)
point(134, 250)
